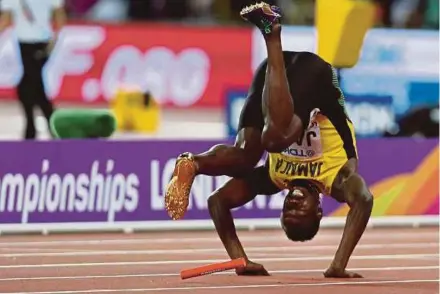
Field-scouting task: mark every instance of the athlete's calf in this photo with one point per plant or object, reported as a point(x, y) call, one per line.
point(282, 126)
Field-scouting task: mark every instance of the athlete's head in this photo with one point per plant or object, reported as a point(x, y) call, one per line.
point(302, 211)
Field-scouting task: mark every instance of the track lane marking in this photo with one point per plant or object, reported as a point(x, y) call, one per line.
point(289, 285)
point(366, 269)
point(202, 261)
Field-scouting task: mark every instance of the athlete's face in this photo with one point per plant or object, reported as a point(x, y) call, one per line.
point(300, 205)
point(302, 213)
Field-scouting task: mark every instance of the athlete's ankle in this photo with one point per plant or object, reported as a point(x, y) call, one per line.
point(264, 16)
point(275, 34)
point(196, 165)
point(273, 44)
point(192, 158)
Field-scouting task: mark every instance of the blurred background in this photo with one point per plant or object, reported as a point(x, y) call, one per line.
point(179, 70)
point(415, 14)
point(395, 81)
point(176, 73)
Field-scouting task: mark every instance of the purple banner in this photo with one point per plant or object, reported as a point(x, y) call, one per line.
point(112, 181)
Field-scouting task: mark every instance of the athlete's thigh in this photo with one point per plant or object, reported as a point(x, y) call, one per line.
point(251, 121)
point(307, 84)
point(251, 115)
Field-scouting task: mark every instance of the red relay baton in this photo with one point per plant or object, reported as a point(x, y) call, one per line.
point(212, 268)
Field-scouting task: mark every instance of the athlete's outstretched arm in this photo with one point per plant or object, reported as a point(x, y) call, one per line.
point(234, 193)
point(360, 200)
point(282, 127)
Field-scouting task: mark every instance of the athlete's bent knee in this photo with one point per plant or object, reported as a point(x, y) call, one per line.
point(365, 198)
point(275, 139)
point(217, 200)
point(248, 150)
point(235, 193)
point(273, 144)
point(213, 200)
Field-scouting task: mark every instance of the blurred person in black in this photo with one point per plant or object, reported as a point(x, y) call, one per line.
point(158, 9)
point(31, 20)
point(420, 122)
point(408, 13)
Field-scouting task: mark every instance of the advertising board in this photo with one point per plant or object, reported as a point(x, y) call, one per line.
point(194, 66)
point(371, 115)
point(181, 66)
point(112, 184)
point(401, 64)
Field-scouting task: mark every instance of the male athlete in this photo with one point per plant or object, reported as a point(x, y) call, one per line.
point(295, 112)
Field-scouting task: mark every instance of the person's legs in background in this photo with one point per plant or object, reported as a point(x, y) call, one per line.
point(41, 98)
point(31, 91)
point(28, 109)
point(24, 91)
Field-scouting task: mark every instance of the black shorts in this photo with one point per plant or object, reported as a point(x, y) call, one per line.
point(259, 181)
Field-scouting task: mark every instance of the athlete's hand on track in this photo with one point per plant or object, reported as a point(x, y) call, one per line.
point(340, 273)
point(252, 269)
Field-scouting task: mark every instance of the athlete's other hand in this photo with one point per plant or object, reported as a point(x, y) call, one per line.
point(252, 269)
point(340, 273)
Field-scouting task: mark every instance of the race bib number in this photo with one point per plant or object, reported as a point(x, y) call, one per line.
point(309, 144)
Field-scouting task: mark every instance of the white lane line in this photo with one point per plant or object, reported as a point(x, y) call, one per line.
point(126, 239)
point(214, 250)
point(21, 250)
point(201, 261)
point(366, 269)
point(290, 285)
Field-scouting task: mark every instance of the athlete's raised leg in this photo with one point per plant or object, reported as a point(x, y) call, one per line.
point(233, 161)
point(351, 188)
point(227, 160)
point(282, 126)
point(263, 125)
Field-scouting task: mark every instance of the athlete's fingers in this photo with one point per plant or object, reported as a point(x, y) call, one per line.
point(262, 272)
point(252, 269)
